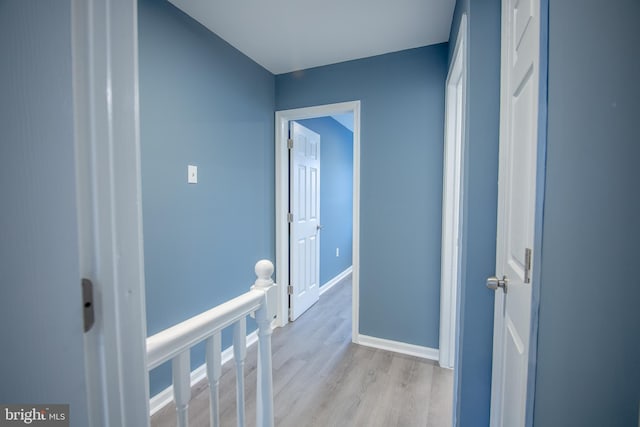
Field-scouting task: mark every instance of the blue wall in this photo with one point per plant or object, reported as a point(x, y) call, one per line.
point(203, 103)
point(402, 122)
point(40, 301)
point(589, 337)
point(336, 195)
point(473, 364)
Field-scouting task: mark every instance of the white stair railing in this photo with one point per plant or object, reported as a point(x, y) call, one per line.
point(175, 343)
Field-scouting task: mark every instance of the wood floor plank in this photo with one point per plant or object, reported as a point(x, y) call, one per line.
point(441, 402)
point(320, 378)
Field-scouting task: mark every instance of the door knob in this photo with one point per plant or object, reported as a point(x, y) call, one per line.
point(495, 283)
point(319, 227)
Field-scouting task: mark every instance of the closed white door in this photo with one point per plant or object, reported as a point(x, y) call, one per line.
point(304, 205)
point(516, 210)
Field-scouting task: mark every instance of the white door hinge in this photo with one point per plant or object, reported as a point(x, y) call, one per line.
point(290, 144)
point(290, 289)
point(289, 217)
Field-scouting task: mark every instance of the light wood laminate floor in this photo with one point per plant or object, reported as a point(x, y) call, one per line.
point(320, 378)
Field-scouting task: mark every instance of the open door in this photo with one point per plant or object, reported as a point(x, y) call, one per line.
point(516, 210)
point(304, 205)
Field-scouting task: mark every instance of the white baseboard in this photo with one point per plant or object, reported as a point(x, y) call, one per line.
point(398, 347)
point(331, 283)
point(165, 397)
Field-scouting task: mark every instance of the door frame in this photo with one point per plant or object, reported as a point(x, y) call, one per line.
point(104, 37)
point(282, 119)
point(541, 174)
point(454, 145)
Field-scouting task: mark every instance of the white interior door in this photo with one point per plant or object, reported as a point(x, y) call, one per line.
point(516, 210)
point(304, 205)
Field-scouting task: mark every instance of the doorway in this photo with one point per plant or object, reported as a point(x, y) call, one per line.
point(283, 118)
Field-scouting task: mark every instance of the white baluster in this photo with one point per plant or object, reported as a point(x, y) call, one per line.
point(182, 386)
point(163, 345)
point(214, 370)
point(239, 354)
point(264, 315)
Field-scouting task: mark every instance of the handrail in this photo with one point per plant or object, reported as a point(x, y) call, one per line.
point(167, 344)
point(175, 343)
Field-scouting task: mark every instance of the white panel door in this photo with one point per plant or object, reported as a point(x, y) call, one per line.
point(516, 210)
point(304, 204)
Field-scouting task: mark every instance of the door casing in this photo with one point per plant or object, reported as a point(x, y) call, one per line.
point(455, 115)
point(282, 201)
point(106, 120)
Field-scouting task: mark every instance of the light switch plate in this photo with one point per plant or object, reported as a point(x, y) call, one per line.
point(192, 174)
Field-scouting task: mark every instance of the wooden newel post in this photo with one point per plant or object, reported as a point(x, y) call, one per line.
point(264, 316)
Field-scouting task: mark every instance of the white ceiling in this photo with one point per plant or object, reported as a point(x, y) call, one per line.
point(290, 35)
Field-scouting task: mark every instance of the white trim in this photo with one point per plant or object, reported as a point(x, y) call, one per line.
point(339, 278)
point(399, 347)
point(452, 196)
point(106, 119)
point(165, 397)
point(282, 203)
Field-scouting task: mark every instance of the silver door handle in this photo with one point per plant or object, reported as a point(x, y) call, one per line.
point(495, 283)
point(319, 227)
